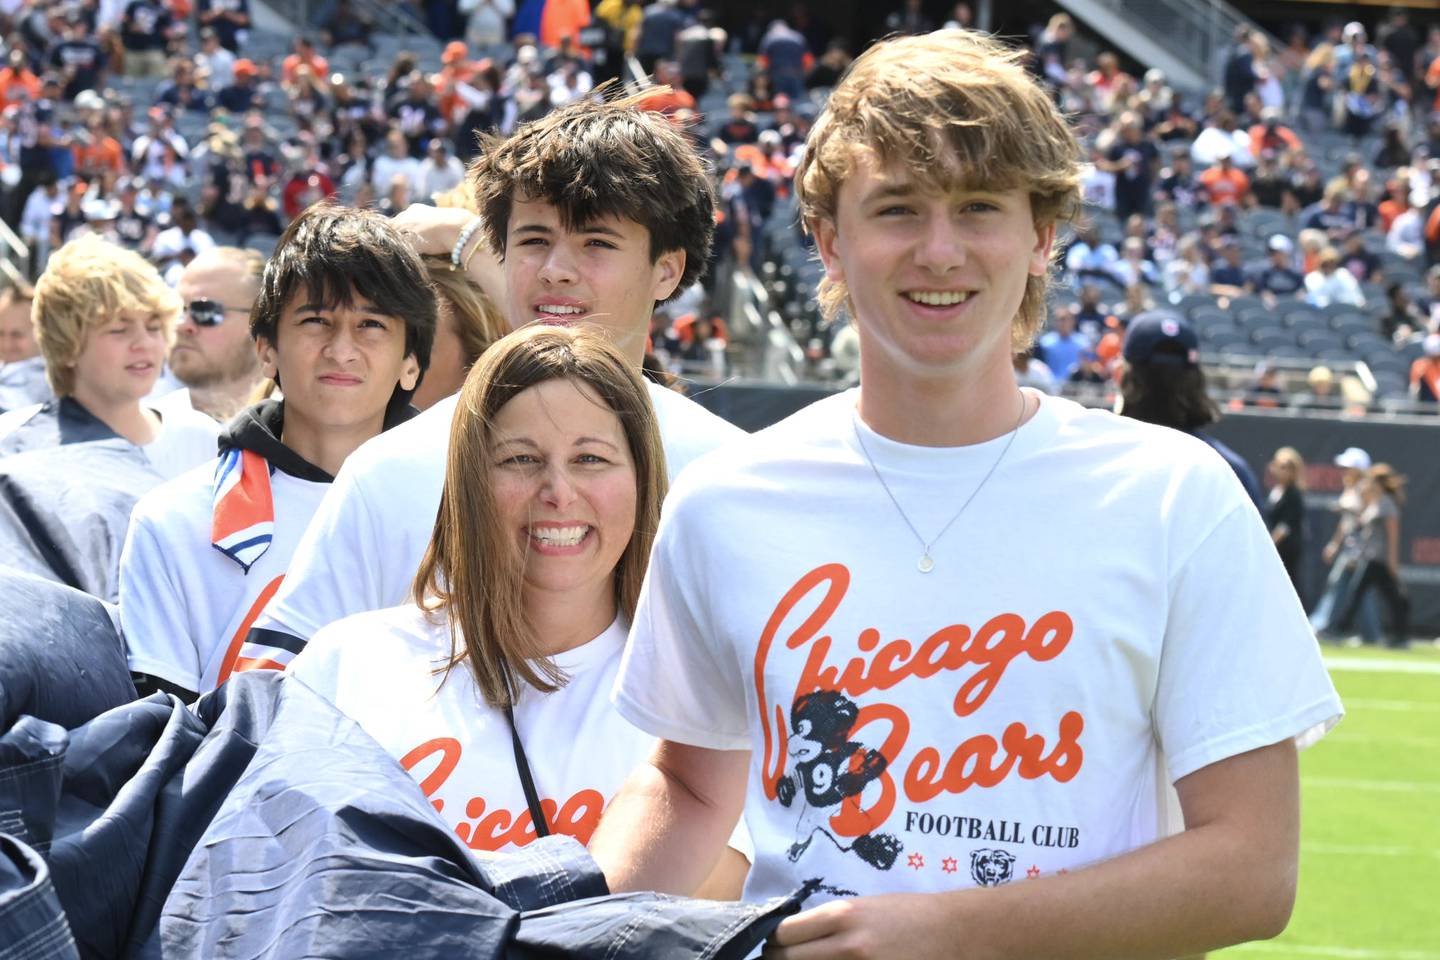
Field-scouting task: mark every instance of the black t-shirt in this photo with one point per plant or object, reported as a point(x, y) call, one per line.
point(1280, 281)
point(1318, 218)
point(739, 131)
point(144, 26)
point(131, 227)
point(419, 120)
point(225, 28)
point(235, 98)
point(82, 60)
point(1134, 181)
point(1180, 188)
point(1269, 190)
point(1228, 275)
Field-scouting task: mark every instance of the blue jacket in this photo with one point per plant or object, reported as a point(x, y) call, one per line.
point(265, 822)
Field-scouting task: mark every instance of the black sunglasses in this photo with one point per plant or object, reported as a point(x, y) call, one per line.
point(209, 313)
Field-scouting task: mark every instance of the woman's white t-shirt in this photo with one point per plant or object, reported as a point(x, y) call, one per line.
point(380, 668)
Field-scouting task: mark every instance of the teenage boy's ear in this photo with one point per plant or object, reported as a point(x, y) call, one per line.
point(269, 360)
point(669, 268)
point(409, 372)
point(823, 230)
point(1040, 254)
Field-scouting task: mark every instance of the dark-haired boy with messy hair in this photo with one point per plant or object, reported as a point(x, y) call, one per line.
point(343, 324)
point(598, 212)
point(954, 646)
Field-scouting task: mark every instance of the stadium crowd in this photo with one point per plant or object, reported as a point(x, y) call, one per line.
point(383, 233)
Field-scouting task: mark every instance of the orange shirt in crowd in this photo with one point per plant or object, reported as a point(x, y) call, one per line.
point(1225, 187)
point(561, 19)
point(667, 103)
point(1426, 370)
point(103, 154)
point(451, 76)
point(14, 83)
point(1283, 139)
point(1389, 210)
point(319, 66)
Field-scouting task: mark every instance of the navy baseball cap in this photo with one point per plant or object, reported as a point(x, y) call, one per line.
point(1162, 336)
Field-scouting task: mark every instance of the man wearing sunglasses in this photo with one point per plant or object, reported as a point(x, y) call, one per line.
point(213, 356)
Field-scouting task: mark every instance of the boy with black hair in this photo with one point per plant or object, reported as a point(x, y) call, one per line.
point(344, 324)
point(599, 212)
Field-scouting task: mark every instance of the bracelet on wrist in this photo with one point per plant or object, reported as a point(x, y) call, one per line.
point(462, 240)
point(473, 250)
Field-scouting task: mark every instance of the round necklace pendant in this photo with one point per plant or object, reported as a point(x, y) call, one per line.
point(926, 564)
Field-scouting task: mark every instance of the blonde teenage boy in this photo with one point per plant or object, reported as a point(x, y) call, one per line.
point(950, 643)
point(104, 320)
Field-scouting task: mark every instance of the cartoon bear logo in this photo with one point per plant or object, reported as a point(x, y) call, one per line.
point(990, 868)
point(829, 769)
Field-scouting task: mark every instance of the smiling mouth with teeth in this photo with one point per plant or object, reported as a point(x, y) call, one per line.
point(946, 298)
point(556, 310)
point(559, 536)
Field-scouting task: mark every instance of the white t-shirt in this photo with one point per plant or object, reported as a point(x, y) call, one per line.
point(367, 539)
point(185, 439)
point(1107, 616)
point(379, 669)
point(185, 607)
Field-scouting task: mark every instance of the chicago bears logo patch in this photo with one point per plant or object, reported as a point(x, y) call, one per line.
point(990, 868)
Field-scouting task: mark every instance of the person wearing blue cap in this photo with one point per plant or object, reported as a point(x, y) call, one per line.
point(1162, 383)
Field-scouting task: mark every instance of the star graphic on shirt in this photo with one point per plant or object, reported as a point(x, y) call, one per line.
point(949, 865)
point(1033, 872)
point(916, 860)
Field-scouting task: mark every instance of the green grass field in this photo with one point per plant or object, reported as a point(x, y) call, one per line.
point(1370, 840)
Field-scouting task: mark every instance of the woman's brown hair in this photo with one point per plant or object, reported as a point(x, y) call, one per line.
point(478, 322)
point(472, 573)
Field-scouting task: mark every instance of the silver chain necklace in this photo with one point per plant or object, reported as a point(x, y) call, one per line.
point(927, 563)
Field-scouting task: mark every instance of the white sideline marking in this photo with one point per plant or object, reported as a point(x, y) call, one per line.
point(1389, 786)
point(1381, 665)
point(1349, 953)
point(1406, 706)
point(1422, 742)
point(1357, 850)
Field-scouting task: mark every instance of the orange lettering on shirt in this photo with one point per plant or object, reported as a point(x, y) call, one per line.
point(981, 760)
point(232, 662)
point(449, 750)
point(499, 828)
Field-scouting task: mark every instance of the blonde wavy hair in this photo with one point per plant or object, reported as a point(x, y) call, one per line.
point(958, 110)
point(87, 283)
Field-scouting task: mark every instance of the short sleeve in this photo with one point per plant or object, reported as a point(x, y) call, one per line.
point(672, 683)
point(1240, 668)
point(153, 613)
point(318, 665)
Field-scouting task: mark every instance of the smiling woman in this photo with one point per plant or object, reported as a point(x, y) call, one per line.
point(492, 686)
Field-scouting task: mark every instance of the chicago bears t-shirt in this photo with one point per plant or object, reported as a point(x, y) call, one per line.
point(380, 668)
point(1010, 713)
